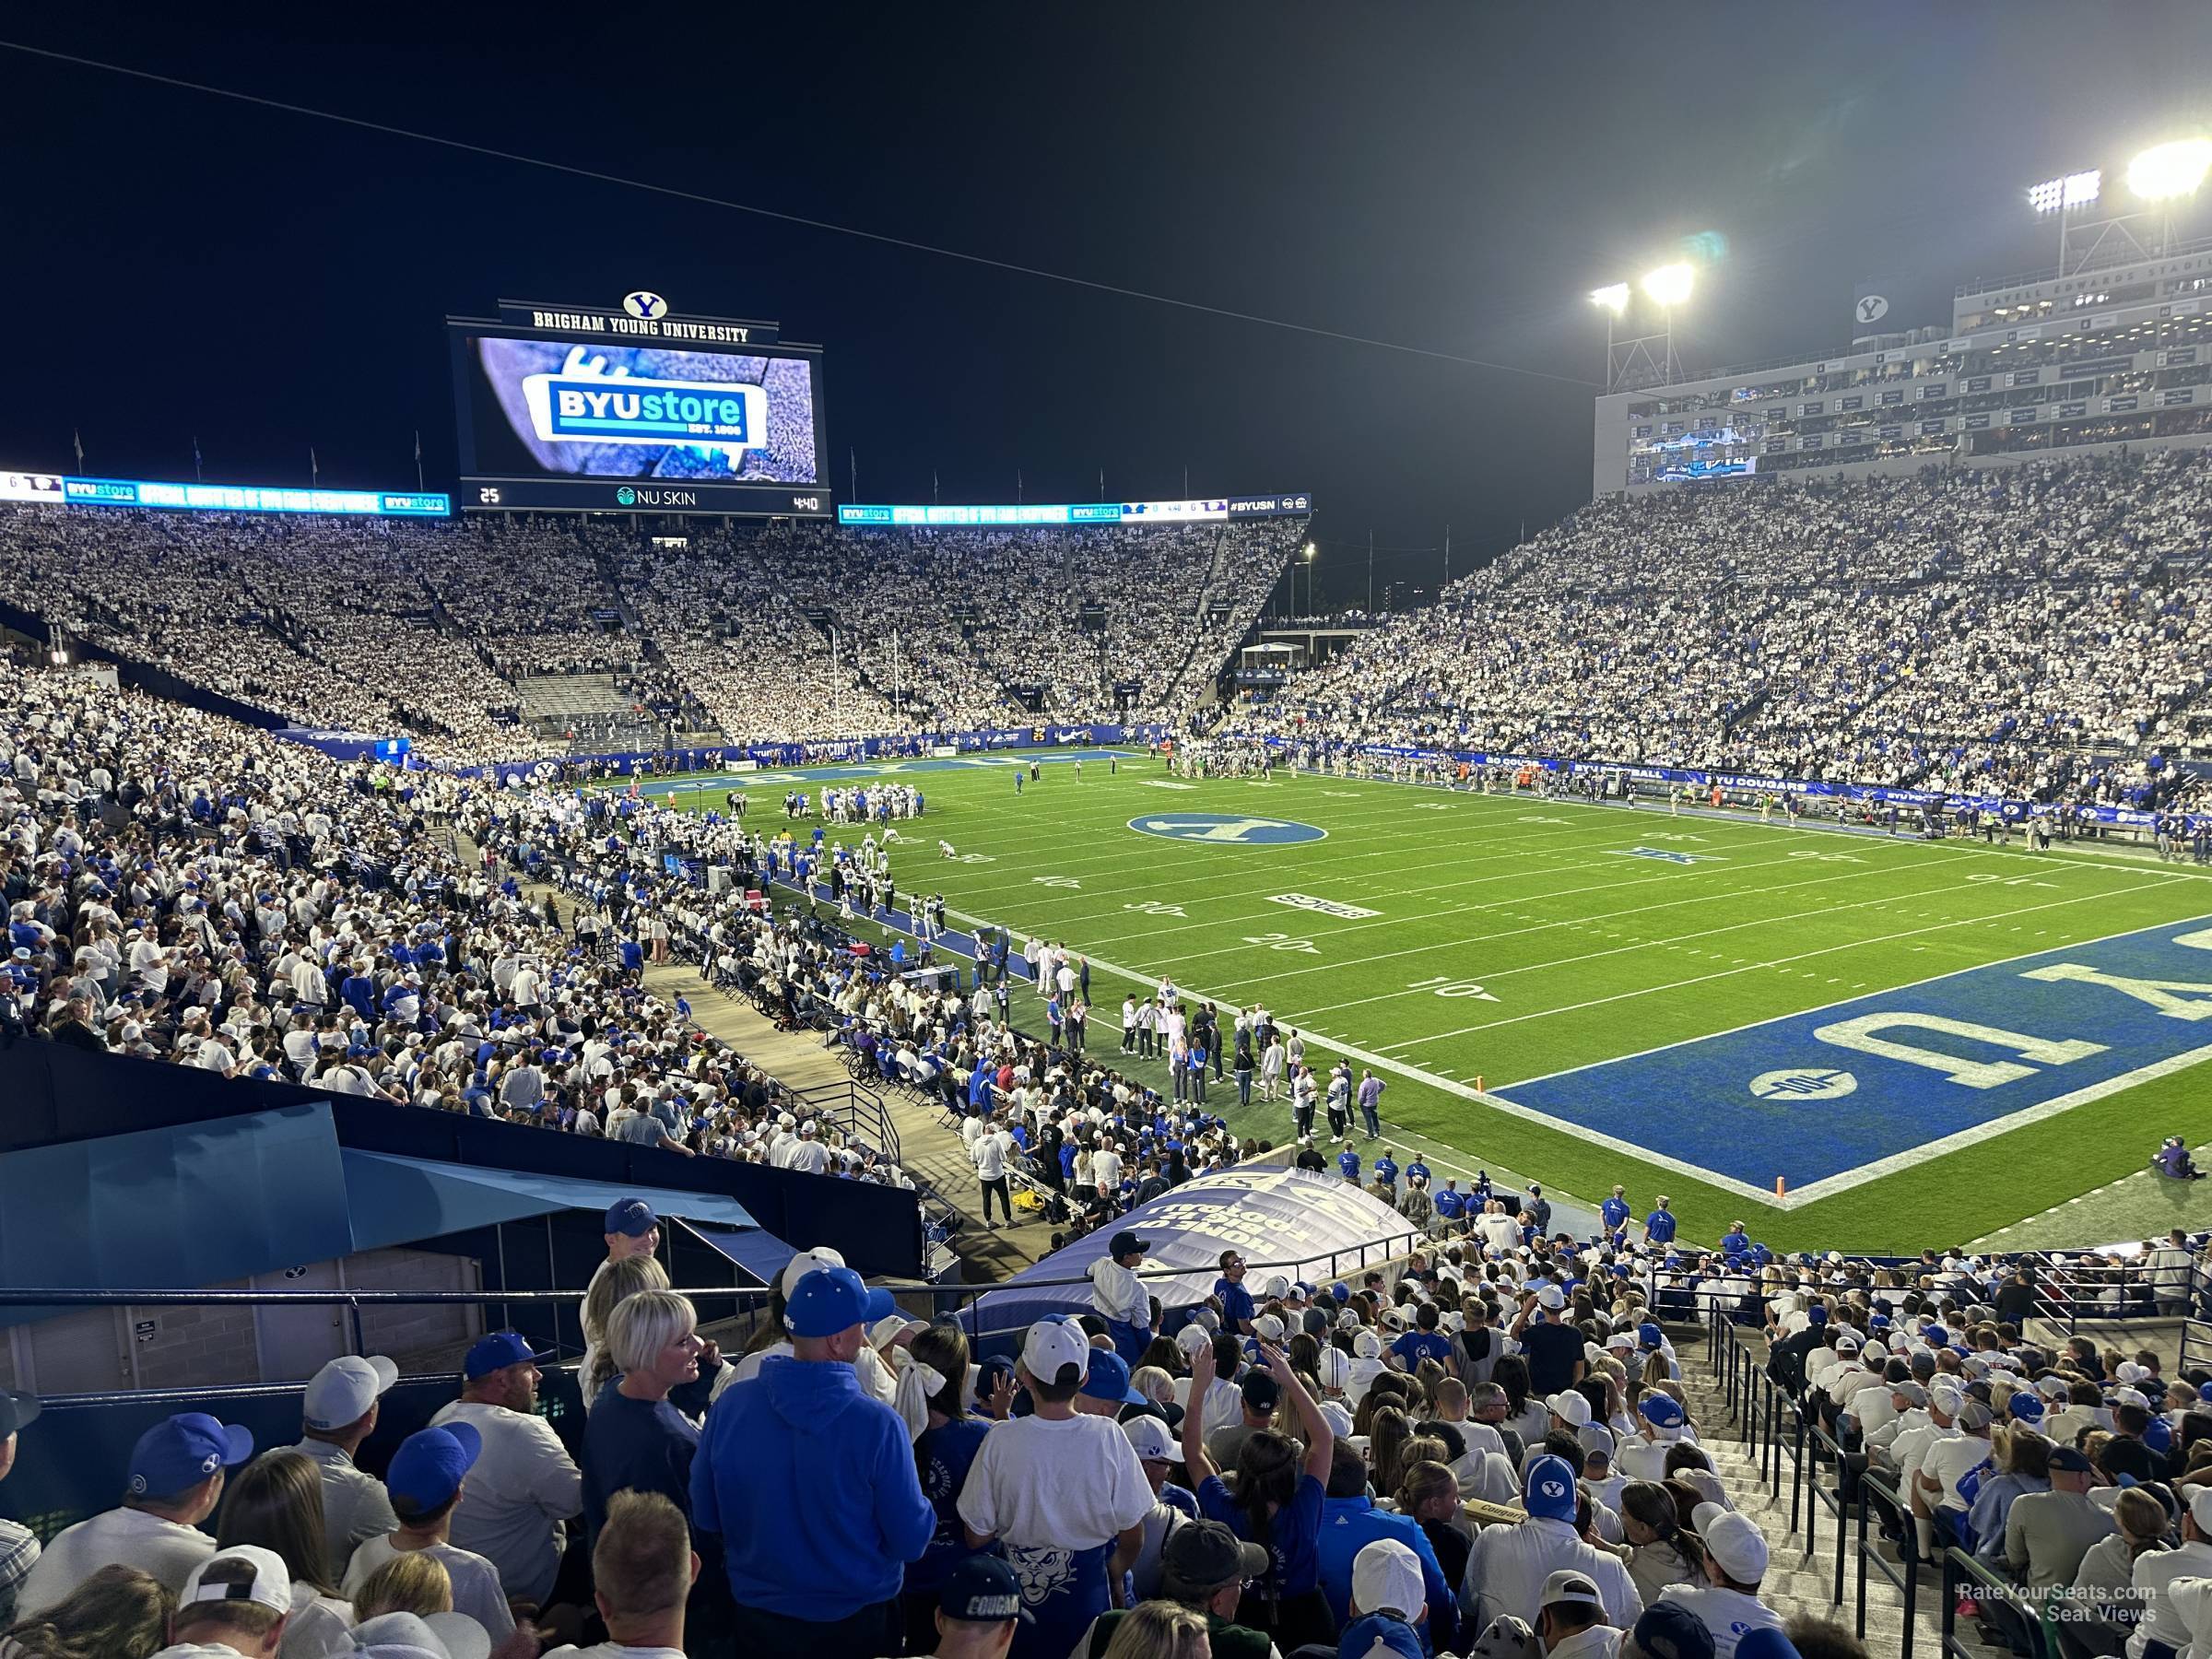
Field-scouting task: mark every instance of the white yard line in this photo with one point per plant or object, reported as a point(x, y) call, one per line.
point(1803, 956)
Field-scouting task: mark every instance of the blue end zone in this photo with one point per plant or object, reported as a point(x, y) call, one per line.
point(1827, 1099)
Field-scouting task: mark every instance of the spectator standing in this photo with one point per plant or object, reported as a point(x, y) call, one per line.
point(1062, 1492)
point(525, 1485)
point(1508, 1566)
point(1205, 1568)
point(810, 1483)
point(1278, 1504)
point(1121, 1297)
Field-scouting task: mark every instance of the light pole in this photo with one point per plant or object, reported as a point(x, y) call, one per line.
point(1310, 550)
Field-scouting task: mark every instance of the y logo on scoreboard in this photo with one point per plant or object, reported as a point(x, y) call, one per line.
point(645, 304)
point(1226, 827)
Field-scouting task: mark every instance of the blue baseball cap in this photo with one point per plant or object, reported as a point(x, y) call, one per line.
point(1662, 1411)
point(632, 1218)
point(1108, 1379)
point(2026, 1406)
point(1668, 1629)
point(982, 1590)
point(496, 1352)
point(830, 1300)
point(179, 1453)
point(1649, 1334)
point(1766, 1643)
point(1551, 1488)
point(428, 1469)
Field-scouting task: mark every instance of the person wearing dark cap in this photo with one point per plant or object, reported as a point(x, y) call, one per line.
point(426, 1478)
point(176, 1479)
point(1205, 1567)
point(19, 1544)
point(1259, 1394)
point(1120, 1296)
point(525, 1485)
point(2046, 1534)
point(1667, 1630)
point(1280, 1493)
point(979, 1610)
point(810, 1482)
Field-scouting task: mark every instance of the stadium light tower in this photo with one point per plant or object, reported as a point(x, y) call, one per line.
point(2097, 228)
point(1311, 552)
point(1643, 354)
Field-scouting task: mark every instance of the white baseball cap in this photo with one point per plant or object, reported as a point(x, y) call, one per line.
point(1339, 1419)
point(1732, 1541)
point(1366, 1345)
point(1570, 1408)
point(1150, 1439)
point(1551, 1297)
point(1192, 1337)
point(2200, 1508)
point(1268, 1327)
point(340, 1395)
point(807, 1261)
point(1387, 1577)
point(1567, 1588)
point(271, 1586)
point(1051, 1346)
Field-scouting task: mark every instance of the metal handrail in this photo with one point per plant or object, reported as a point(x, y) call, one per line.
point(1903, 1577)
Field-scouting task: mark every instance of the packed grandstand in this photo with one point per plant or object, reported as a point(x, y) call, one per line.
point(1487, 1441)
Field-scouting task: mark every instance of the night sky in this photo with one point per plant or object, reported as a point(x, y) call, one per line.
point(1450, 177)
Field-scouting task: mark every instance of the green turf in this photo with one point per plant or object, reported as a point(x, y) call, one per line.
point(1588, 955)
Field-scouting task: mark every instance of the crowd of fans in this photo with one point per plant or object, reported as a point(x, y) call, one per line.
point(784, 632)
point(2034, 627)
point(1487, 1448)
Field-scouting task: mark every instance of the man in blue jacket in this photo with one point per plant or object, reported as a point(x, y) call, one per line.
point(811, 1483)
point(1349, 1522)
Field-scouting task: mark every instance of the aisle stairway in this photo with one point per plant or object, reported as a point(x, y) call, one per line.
point(1797, 1583)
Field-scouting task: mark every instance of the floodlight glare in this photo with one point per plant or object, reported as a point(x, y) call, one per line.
point(2083, 188)
point(1669, 285)
point(1613, 297)
point(2166, 171)
point(2045, 197)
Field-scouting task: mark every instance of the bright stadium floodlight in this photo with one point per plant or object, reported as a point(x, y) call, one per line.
point(1669, 285)
point(2083, 188)
point(2166, 171)
point(2047, 197)
point(1613, 297)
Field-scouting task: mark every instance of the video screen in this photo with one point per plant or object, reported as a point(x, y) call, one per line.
point(591, 409)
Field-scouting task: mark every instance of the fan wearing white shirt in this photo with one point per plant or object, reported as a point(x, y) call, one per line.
point(525, 1485)
point(642, 1572)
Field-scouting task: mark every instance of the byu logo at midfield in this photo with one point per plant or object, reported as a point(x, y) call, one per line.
point(1807, 1083)
point(1225, 826)
point(644, 303)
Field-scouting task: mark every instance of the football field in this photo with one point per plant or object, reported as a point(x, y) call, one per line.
point(1845, 1039)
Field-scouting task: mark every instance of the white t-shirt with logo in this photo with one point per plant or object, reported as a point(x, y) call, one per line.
point(1041, 1483)
point(1726, 1613)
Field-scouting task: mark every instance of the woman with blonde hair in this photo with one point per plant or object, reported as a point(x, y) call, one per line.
point(417, 1584)
point(2107, 1571)
point(276, 1501)
point(1427, 1494)
point(611, 1286)
point(1160, 1630)
point(118, 1613)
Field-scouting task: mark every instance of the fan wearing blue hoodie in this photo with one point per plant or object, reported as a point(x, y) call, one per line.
point(810, 1481)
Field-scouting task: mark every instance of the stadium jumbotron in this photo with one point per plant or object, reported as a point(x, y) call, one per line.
point(615, 1047)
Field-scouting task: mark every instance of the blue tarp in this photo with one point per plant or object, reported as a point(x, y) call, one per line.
point(1271, 1214)
point(174, 1207)
point(398, 1200)
point(763, 1255)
